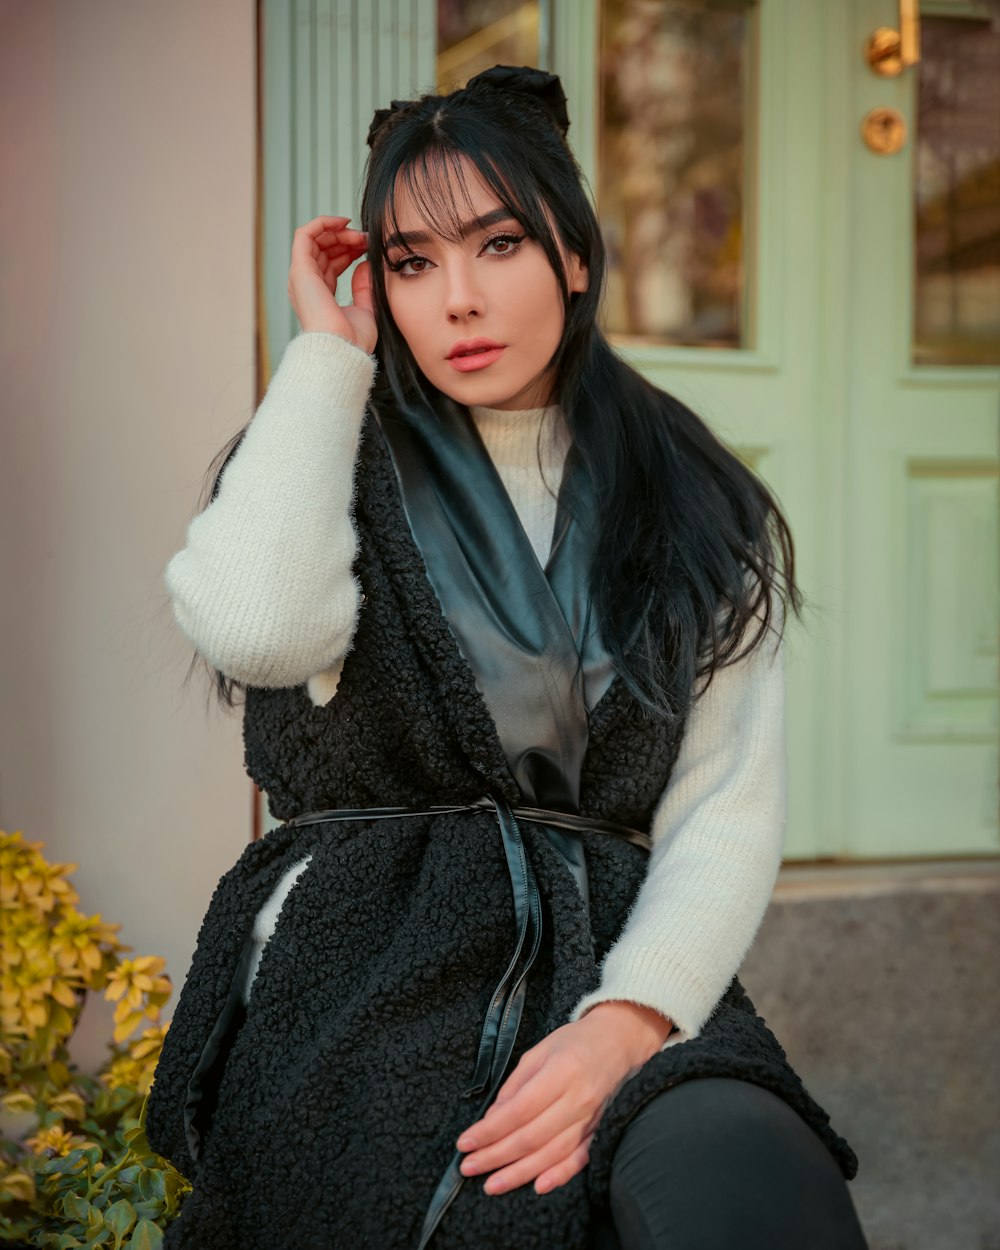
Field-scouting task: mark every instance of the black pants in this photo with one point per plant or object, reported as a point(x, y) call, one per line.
point(717, 1163)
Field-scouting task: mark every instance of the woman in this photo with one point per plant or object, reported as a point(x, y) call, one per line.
point(484, 613)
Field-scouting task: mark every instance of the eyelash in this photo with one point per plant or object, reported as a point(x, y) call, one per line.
point(396, 266)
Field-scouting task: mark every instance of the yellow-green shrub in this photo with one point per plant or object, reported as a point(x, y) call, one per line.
point(75, 1168)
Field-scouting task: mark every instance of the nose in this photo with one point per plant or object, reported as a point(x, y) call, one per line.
point(464, 298)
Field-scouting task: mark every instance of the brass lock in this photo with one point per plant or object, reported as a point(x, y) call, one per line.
point(884, 131)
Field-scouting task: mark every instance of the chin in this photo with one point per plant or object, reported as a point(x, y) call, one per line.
point(481, 393)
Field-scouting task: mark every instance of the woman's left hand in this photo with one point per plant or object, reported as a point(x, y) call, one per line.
point(540, 1125)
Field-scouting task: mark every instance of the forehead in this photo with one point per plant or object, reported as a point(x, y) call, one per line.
point(441, 193)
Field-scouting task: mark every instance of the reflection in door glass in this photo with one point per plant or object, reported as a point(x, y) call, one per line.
point(957, 194)
point(474, 35)
point(675, 78)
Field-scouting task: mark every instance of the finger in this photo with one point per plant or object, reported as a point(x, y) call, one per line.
point(331, 264)
point(304, 238)
point(337, 255)
point(361, 287)
point(337, 250)
point(555, 1156)
point(530, 1063)
point(564, 1171)
point(526, 1138)
point(541, 1089)
point(329, 237)
point(321, 223)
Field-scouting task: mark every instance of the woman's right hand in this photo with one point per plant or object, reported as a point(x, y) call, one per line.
point(321, 251)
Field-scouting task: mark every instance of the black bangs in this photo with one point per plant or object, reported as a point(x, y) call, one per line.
point(437, 184)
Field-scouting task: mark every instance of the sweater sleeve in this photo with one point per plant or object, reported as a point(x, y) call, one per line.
point(264, 587)
point(718, 835)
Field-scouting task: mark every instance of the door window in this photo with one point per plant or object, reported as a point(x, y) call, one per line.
point(957, 194)
point(675, 125)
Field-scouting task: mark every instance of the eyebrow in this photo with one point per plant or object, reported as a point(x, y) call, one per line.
point(399, 239)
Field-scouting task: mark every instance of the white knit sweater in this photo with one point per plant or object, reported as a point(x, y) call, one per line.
point(264, 590)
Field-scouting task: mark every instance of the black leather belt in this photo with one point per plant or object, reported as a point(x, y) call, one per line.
point(534, 815)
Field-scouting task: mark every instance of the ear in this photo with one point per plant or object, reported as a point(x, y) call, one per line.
point(577, 276)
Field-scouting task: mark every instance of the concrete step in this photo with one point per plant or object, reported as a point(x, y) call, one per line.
point(882, 982)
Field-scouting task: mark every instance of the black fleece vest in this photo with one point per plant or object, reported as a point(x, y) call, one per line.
point(342, 1095)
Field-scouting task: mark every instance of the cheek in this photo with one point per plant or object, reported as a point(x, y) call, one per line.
point(539, 295)
point(410, 316)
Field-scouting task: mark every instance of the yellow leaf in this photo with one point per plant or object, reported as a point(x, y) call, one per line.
point(150, 963)
point(37, 1014)
point(127, 1025)
point(20, 1185)
point(115, 990)
point(63, 993)
point(18, 1100)
point(69, 1103)
point(91, 956)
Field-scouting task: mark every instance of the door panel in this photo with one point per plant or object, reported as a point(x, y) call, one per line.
point(921, 517)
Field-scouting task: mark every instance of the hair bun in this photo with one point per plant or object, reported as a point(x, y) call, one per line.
point(537, 83)
point(383, 115)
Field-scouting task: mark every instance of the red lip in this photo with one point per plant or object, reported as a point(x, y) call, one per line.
point(469, 347)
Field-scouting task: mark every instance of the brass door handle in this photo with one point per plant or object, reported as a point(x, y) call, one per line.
point(889, 51)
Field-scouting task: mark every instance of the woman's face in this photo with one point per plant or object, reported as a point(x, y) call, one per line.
point(483, 317)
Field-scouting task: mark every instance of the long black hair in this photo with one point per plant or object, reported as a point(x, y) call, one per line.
point(693, 556)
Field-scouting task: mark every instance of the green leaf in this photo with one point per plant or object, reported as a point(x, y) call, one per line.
point(67, 1241)
point(146, 1236)
point(119, 1217)
point(76, 1207)
point(152, 1185)
point(75, 1161)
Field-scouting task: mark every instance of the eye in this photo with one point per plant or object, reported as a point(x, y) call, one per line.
point(419, 264)
point(503, 244)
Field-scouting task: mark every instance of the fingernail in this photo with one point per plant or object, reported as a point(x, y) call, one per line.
point(467, 1168)
point(465, 1142)
point(494, 1186)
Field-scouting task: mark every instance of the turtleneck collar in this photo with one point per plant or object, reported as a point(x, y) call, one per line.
point(512, 436)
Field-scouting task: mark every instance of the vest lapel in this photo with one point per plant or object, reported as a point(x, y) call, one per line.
point(525, 631)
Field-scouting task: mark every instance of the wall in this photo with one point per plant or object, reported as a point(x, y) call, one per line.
point(126, 361)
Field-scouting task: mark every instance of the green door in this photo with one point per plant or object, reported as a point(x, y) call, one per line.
point(921, 309)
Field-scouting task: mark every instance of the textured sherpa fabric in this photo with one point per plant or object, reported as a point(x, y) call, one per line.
point(342, 1095)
